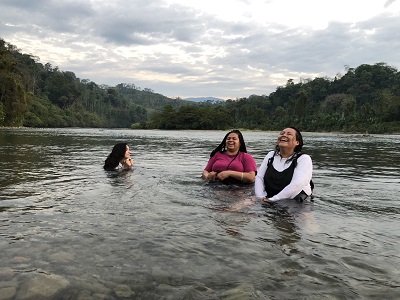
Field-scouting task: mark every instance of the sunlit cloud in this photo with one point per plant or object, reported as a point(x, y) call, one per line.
point(185, 48)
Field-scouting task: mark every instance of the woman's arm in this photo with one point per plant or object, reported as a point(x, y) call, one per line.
point(247, 177)
point(259, 187)
point(248, 165)
point(208, 173)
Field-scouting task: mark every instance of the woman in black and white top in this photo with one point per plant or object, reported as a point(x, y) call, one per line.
point(286, 172)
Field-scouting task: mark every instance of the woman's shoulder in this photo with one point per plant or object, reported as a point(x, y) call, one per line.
point(270, 154)
point(304, 157)
point(303, 154)
point(246, 154)
point(247, 157)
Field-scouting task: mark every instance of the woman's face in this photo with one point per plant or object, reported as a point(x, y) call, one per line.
point(127, 152)
point(287, 139)
point(232, 142)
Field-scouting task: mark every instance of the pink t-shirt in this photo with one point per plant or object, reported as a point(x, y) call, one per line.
point(244, 162)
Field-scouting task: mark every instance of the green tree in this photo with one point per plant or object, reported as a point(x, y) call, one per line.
point(13, 98)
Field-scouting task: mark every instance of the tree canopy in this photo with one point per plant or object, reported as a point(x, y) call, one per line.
point(364, 99)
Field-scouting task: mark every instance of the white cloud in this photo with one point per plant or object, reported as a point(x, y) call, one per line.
point(185, 48)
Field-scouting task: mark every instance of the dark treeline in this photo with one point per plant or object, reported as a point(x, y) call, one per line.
point(364, 99)
point(37, 95)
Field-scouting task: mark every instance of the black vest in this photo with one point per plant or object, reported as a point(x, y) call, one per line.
point(275, 181)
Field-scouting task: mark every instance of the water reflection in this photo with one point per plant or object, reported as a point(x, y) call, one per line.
point(291, 219)
point(120, 178)
point(237, 208)
point(160, 230)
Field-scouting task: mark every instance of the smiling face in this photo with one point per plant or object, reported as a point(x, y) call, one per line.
point(232, 143)
point(127, 152)
point(287, 140)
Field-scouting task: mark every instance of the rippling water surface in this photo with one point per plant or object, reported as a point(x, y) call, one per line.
point(160, 232)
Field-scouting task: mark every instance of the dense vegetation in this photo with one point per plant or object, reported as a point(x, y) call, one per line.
point(364, 99)
point(37, 95)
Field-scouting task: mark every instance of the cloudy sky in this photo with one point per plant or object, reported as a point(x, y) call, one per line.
point(198, 48)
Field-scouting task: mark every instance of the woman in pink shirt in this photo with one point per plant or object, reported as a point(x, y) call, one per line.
point(229, 162)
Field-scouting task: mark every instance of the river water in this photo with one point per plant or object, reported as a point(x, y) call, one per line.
point(70, 230)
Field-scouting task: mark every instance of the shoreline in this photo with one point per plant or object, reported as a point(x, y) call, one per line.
point(361, 134)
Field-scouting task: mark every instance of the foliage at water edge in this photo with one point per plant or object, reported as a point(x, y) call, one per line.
point(363, 99)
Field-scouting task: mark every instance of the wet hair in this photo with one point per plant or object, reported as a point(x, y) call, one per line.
point(297, 149)
point(222, 146)
point(299, 138)
point(113, 159)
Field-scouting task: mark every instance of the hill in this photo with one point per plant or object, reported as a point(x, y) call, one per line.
point(365, 99)
point(205, 99)
point(37, 95)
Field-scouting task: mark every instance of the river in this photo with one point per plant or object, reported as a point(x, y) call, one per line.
point(70, 230)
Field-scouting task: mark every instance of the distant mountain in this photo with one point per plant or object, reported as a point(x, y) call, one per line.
point(147, 98)
point(205, 99)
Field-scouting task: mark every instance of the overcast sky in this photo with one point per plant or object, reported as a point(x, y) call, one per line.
point(195, 48)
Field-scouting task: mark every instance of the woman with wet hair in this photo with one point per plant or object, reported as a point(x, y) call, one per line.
point(285, 172)
point(119, 158)
point(229, 162)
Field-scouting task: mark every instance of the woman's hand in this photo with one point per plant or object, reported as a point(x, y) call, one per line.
point(209, 175)
point(128, 163)
point(266, 200)
point(223, 175)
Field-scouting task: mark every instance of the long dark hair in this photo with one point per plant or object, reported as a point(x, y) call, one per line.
point(113, 159)
point(297, 149)
point(222, 146)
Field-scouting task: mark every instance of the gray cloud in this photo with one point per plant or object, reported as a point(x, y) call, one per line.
point(178, 51)
point(388, 2)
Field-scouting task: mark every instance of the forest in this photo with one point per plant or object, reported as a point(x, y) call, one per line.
point(364, 99)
